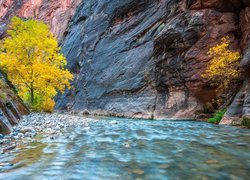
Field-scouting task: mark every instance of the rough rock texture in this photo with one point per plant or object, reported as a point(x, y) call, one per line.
point(144, 59)
point(240, 107)
point(11, 108)
point(57, 13)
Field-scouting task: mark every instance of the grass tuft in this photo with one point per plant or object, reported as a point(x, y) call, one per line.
point(217, 117)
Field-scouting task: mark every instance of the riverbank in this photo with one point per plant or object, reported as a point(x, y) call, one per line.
point(39, 123)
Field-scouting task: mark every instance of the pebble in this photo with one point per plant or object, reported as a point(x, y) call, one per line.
point(9, 148)
point(113, 122)
point(5, 164)
point(126, 144)
point(212, 161)
point(36, 123)
point(138, 171)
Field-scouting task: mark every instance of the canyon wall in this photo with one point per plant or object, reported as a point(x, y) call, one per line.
point(56, 13)
point(143, 58)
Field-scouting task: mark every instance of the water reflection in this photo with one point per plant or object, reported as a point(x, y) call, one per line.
point(136, 149)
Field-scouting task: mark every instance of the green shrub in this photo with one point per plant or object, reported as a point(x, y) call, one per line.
point(246, 122)
point(217, 116)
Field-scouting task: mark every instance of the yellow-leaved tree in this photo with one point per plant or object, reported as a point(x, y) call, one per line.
point(31, 58)
point(224, 66)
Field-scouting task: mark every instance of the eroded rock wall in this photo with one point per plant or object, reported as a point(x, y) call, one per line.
point(144, 58)
point(11, 107)
point(57, 13)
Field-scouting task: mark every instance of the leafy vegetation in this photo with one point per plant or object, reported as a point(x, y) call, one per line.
point(221, 72)
point(31, 58)
point(246, 122)
point(224, 66)
point(3, 94)
point(217, 116)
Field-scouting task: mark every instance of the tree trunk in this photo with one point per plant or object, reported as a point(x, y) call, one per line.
point(32, 94)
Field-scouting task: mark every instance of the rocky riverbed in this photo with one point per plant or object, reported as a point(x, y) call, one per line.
point(38, 123)
point(122, 148)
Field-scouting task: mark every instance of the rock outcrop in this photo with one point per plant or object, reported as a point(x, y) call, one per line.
point(57, 13)
point(11, 107)
point(238, 112)
point(144, 59)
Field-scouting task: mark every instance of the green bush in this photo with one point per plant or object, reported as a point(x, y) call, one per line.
point(217, 116)
point(246, 122)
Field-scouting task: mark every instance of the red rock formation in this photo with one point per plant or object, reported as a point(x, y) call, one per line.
point(57, 13)
point(245, 27)
point(4, 6)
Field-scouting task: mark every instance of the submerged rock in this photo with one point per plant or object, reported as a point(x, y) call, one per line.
point(113, 122)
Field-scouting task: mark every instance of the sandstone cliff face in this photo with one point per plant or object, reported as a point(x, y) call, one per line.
point(144, 59)
point(56, 13)
point(239, 110)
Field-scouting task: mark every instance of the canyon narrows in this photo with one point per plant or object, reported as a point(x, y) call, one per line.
point(124, 89)
point(142, 58)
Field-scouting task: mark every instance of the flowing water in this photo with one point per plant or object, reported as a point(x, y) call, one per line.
point(135, 149)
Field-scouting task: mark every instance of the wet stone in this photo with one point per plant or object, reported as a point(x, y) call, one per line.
point(36, 123)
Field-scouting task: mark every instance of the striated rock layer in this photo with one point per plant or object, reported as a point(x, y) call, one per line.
point(144, 59)
point(11, 108)
point(57, 13)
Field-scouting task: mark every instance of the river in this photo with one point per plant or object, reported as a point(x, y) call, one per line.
point(117, 148)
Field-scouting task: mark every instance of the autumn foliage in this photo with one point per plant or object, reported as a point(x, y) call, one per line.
point(224, 66)
point(31, 58)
